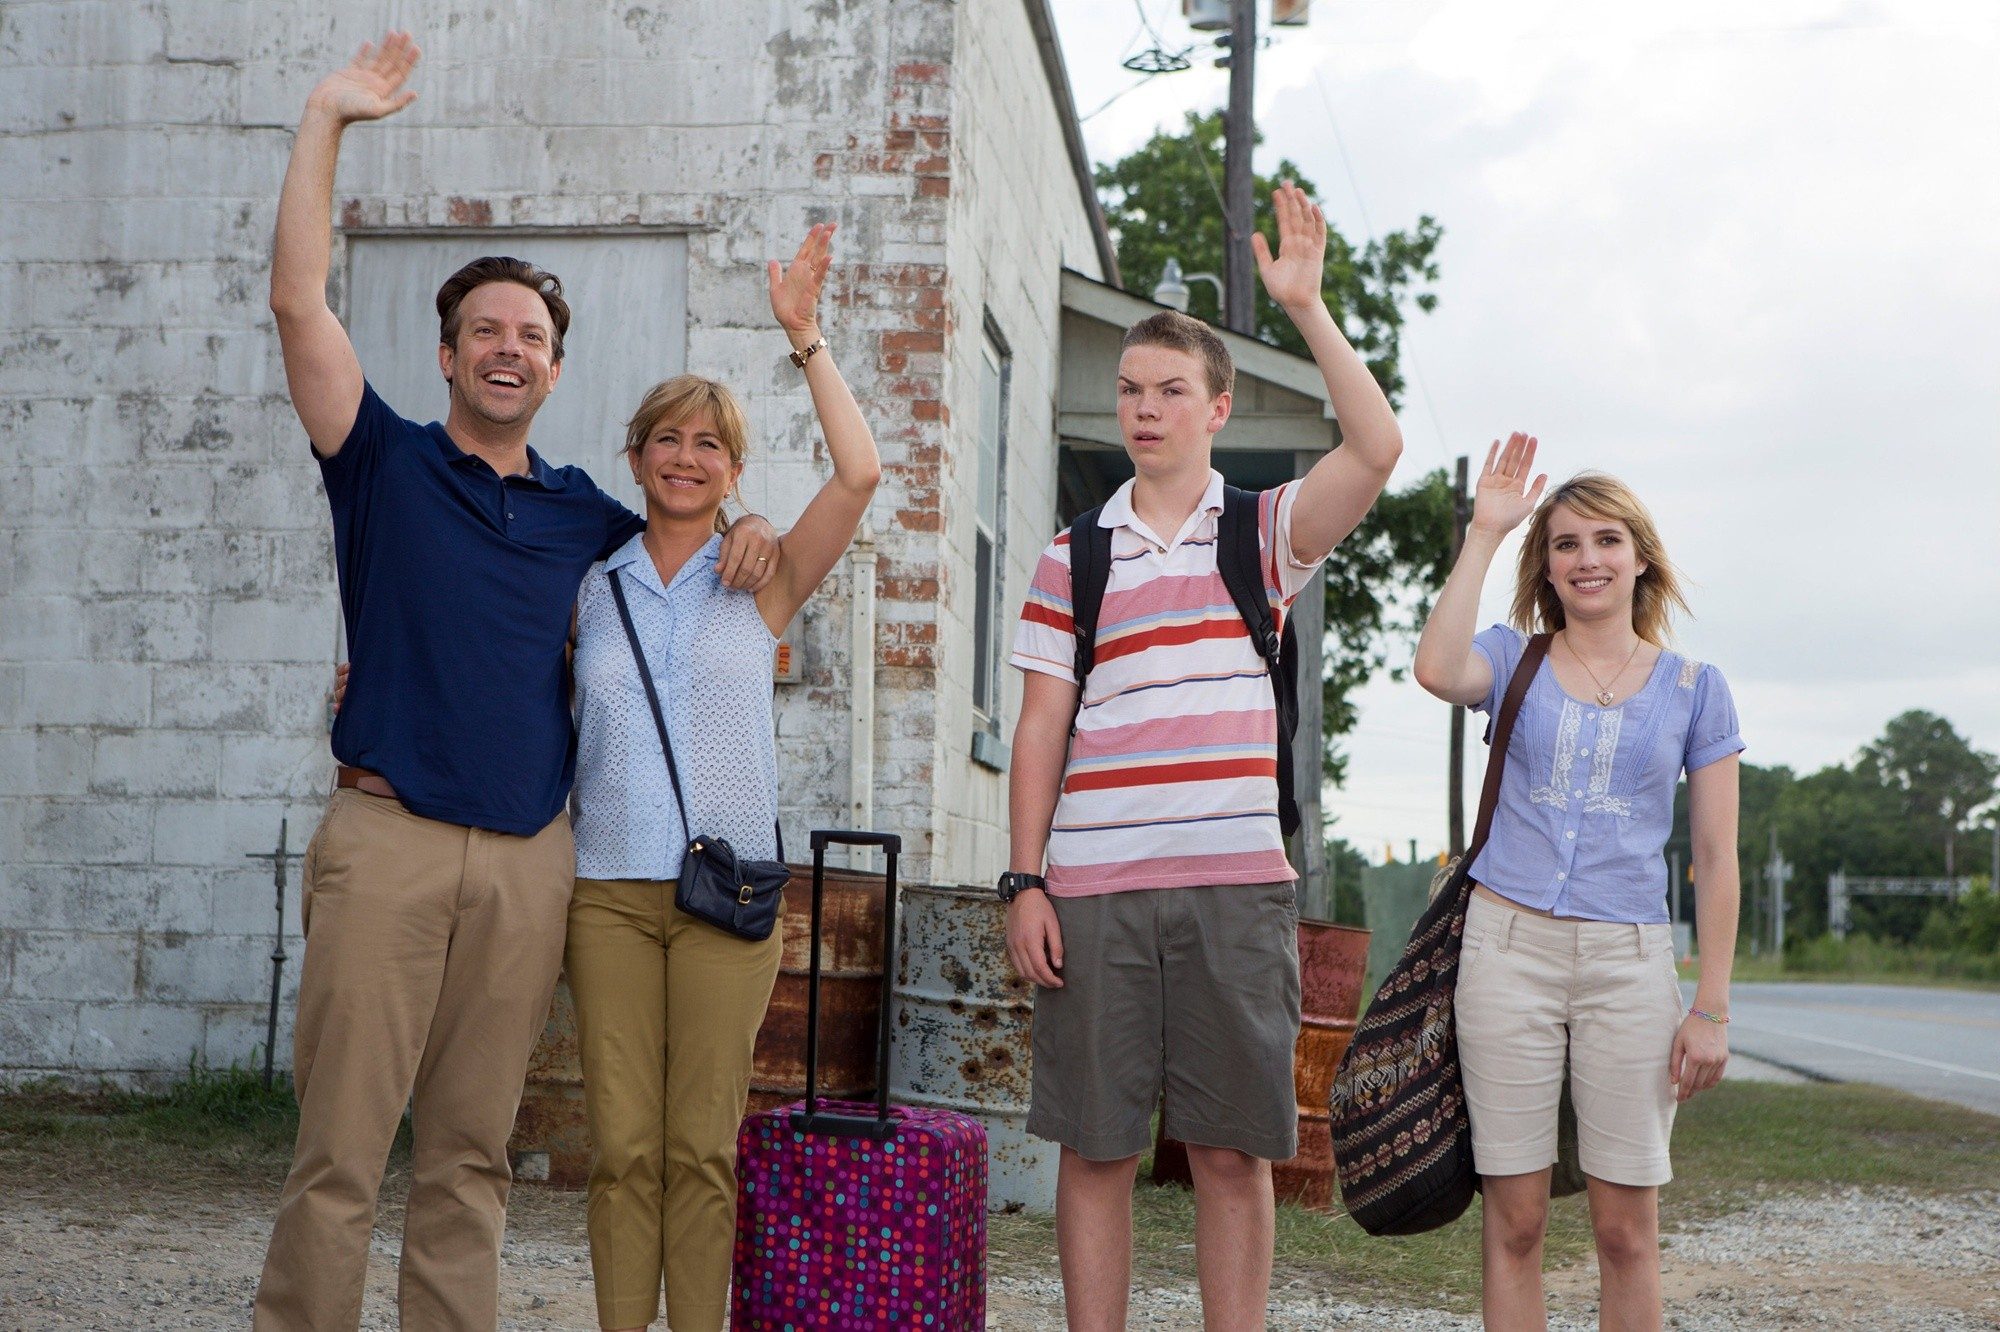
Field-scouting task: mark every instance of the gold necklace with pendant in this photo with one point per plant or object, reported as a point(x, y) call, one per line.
point(1604, 695)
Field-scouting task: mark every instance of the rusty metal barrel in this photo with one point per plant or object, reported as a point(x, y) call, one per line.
point(850, 992)
point(551, 1142)
point(961, 1033)
point(1332, 962)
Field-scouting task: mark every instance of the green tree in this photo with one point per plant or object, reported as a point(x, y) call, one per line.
point(1162, 202)
point(1937, 778)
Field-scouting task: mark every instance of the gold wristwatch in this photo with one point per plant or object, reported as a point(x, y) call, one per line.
point(805, 353)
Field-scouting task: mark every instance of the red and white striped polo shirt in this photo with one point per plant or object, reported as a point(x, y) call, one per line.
point(1172, 776)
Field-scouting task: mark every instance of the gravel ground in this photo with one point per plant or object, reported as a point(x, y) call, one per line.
point(1860, 1261)
point(160, 1253)
point(1873, 1261)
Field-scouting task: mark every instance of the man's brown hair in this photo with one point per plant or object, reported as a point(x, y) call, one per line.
point(1171, 328)
point(502, 268)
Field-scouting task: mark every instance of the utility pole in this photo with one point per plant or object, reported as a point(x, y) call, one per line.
point(1239, 289)
point(1461, 513)
point(1779, 872)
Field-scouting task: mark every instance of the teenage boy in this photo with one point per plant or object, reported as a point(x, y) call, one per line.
point(1165, 936)
point(438, 883)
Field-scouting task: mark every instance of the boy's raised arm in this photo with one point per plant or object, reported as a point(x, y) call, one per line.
point(320, 366)
point(1338, 492)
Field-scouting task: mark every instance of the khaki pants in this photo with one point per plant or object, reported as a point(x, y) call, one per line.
point(431, 956)
point(667, 1012)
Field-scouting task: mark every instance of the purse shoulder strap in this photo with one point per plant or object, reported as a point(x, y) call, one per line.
point(652, 695)
point(1503, 731)
point(659, 718)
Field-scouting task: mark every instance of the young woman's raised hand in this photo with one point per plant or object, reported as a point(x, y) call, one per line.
point(1293, 277)
point(795, 288)
point(371, 86)
point(1504, 496)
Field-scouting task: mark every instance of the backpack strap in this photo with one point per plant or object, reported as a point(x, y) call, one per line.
point(1239, 558)
point(1089, 572)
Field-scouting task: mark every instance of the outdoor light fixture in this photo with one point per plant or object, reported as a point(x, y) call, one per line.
point(1172, 288)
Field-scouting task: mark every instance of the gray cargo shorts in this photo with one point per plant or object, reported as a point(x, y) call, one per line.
point(1190, 992)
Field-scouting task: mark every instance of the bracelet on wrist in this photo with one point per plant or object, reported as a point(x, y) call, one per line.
point(1720, 1020)
point(803, 354)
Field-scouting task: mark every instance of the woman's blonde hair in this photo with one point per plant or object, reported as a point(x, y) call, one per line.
point(681, 399)
point(1655, 595)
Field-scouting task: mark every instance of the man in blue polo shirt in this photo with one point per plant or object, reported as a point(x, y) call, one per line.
point(438, 881)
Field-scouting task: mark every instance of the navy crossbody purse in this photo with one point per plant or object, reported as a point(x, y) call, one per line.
point(739, 896)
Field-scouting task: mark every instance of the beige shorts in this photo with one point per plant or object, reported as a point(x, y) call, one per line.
point(1533, 992)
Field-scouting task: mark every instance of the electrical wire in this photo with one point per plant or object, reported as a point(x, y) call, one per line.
point(1407, 347)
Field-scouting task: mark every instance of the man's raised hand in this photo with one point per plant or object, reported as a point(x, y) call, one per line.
point(371, 86)
point(1294, 275)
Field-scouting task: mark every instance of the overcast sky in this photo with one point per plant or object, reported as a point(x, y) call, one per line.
point(1744, 255)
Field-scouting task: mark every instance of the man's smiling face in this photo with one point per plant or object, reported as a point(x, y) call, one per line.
point(503, 365)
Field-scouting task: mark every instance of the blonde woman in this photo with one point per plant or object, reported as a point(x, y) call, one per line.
point(667, 1005)
point(1568, 955)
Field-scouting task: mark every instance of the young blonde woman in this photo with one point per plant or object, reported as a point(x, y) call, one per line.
point(1568, 955)
point(668, 1005)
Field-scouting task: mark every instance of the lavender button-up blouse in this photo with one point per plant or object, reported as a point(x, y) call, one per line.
point(1587, 799)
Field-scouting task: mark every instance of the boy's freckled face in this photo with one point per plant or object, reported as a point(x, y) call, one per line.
point(1165, 410)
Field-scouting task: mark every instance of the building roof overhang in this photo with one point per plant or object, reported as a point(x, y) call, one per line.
point(1121, 309)
point(1043, 22)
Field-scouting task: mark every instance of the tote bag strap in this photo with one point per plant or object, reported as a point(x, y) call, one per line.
point(659, 718)
point(1503, 731)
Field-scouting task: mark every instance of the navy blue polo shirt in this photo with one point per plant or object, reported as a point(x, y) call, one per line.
point(456, 584)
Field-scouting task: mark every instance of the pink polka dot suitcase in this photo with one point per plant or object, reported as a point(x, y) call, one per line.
point(854, 1216)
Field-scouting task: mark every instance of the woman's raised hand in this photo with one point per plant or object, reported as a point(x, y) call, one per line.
point(1504, 496)
point(795, 288)
point(371, 86)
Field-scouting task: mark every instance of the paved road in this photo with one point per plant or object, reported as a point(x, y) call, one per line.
point(1943, 1044)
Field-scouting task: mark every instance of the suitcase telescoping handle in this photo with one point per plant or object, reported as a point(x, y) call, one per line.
point(812, 1119)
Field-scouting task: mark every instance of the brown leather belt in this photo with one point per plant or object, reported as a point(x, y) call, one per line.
point(361, 779)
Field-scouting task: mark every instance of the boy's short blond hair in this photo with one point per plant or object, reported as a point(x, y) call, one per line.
point(1171, 328)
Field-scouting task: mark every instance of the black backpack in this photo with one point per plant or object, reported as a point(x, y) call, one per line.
point(1240, 562)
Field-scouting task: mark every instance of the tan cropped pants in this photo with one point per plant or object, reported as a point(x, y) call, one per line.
point(431, 956)
point(667, 1012)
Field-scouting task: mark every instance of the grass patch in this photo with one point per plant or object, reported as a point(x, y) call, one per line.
point(1732, 1146)
point(212, 1121)
point(1862, 967)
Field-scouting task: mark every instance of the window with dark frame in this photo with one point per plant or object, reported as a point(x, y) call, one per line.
point(989, 583)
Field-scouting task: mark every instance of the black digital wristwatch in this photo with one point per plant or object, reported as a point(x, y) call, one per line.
point(1013, 883)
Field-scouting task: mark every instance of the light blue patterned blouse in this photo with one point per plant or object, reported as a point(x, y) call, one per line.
point(710, 651)
point(1587, 798)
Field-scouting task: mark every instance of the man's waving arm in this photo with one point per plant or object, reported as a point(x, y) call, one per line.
point(320, 366)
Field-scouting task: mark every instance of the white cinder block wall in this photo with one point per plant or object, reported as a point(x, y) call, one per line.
point(168, 618)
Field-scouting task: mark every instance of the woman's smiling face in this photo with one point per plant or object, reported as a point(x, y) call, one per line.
point(1593, 564)
point(685, 468)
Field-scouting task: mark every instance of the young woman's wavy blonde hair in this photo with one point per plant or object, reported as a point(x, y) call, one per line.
point(1655, 595)
point(682, 398)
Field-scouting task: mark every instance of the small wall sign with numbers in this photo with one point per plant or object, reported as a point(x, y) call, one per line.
point(785, 666)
